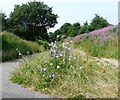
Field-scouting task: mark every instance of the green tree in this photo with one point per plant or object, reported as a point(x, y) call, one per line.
point(31, 20)
point(74, 29)
point(98, 22)
point(62, 31)
point(84, 28)
point(3, 21)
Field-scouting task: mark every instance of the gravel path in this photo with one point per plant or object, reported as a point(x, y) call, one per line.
point(11, 90)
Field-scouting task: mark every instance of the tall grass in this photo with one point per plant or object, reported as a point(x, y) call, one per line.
point(101, 43)
point(79, 77)
point(13, 47)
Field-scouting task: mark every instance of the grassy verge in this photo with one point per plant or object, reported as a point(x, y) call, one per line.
point(82, 78)
point(102, 45)
point(14, 47)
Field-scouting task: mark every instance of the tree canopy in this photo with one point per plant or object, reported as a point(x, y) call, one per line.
point(31, 20)
point(98, 22)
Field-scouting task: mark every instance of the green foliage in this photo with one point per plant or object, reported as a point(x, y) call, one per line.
point(98, 22)
point(83, 78)
point(44, 43)
point(3, 21)
point(62, 31)
point(13, 47)
point(94, 47)
point(32, 20)
point(74, 29)
point(84, 28)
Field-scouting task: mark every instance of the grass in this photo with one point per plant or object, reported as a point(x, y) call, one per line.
point(84, 78)
point(101, 46)
point(11, 42)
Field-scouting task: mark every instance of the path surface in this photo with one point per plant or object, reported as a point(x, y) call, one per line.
point(11, 90)
point(114, 62)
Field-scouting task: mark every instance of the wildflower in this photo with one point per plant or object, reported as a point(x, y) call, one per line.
point(43, 75)
point(51, 64)
point(52, 43)
point(69, 48)
point(57, 36)
point(63, 44)
point(75, 58)
point(17, 49)
point(43, 69)
point(61, 54)
point(63, 36)
point(19, 54)
point(56, 56)
point(67, 43)
point(49, 76)
point(28, 52)
point(70, 56)
point(80, 67)
point(53, 76)
point(58, 66)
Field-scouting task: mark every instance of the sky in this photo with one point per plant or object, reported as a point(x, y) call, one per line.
point(73, 10)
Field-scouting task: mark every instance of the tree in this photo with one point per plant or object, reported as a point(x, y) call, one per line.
point(84, 28)
point(98, 22)
point(3, 21)
point(74, 29)
point(61, 31)
point(31, 20)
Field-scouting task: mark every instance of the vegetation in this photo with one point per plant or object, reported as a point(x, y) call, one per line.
point(31, 20)
point(100, 43)
point(14, 47)
point(65, 72)
point(67, 29)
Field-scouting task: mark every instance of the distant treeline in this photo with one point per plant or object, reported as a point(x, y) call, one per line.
point(31, 21)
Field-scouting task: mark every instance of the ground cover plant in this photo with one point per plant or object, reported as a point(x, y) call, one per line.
point(13, 46)
point(64, 72)
point(99, 43)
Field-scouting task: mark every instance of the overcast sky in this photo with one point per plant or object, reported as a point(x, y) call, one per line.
point(73, 10)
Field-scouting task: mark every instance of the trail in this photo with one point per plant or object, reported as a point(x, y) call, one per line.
point(113, 62)
point(11, 90)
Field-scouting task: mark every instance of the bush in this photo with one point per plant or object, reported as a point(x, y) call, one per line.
point(14, 47)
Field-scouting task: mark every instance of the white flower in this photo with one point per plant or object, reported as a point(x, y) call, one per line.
point(43, 69)
point(57, 35)
point(28, 52)
point(43, 75)
point(69, 48)
point(54, 51)
point(80, 67)
point(51, 64)
point(65, 47)
point(67, 43)
point(63, 44)
point(17, 49)
point(63, 36)
point(58, 66)
point(75, 58)
point(70, 56)
point(53, 76)
point(61, 54)
point(56, 56)
point(49, 75)
point(19, 54)
point(52, 43)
